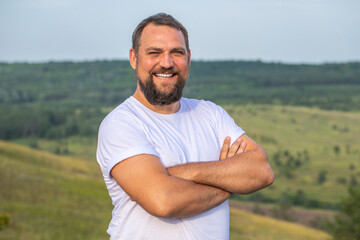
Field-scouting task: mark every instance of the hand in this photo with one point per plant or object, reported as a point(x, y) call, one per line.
point(227, 151)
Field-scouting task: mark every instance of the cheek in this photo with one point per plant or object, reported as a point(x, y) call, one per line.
point(146, 65)
point(183, 67)
point(149, 64)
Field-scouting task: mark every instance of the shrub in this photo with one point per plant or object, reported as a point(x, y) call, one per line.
point(322, 177)
point(347, 223)
point(4, 219)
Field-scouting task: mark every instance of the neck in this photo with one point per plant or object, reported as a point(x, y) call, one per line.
point(163, 109)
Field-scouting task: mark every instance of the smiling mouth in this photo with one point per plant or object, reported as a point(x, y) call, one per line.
point(164, 75)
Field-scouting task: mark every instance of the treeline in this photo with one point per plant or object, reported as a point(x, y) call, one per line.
point(288, 198)
point(66, 84)
point(60, 99)
point(47, 122)
point(326, 86)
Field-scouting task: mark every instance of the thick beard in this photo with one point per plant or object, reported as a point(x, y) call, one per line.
point(155, 97)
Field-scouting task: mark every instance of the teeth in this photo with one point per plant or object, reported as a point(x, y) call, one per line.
point(162, 75)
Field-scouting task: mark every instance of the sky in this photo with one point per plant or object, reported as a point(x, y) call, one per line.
point(288, 31)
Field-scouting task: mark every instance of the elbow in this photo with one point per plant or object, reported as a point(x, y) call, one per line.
point(259, 177)
point(269, 177)
point(266, 176)
point(161, 207)
point(258, 181)
point(161, 213)
point(164, 211)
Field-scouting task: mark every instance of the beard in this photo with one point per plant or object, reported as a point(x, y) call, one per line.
point(154, 95)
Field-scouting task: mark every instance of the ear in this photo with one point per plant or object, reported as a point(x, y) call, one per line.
point(189, 57)
point(132, 58)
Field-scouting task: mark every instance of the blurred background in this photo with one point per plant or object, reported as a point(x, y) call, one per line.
point(288, 72)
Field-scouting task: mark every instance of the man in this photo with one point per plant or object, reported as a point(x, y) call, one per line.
point(168, 162)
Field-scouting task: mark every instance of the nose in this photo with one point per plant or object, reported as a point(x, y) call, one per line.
point(166, 61)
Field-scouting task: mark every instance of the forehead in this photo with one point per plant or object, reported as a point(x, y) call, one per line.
point(161, 37)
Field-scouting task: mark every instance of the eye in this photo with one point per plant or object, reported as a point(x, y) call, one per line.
point(153, 53)
point(180, 52)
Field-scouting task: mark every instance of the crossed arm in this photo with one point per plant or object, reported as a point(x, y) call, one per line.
point(238, 172)
point(190, 189)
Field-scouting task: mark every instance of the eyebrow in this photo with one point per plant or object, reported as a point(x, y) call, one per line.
point(160, 49)
point(153, 49)
point(178, 49)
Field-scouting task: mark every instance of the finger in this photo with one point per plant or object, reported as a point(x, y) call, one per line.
point(225, 148)
point(242, 147)
point(234, 147)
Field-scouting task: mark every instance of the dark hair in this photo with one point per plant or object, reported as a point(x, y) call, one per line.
point(160, 19)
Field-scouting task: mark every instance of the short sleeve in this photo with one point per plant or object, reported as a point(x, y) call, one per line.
point(226, 126)
point(119, 140)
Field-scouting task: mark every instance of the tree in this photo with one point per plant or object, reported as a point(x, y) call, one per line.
point(336, 149)
point(347, 223)
point(322, 176)
point(283, 210)
point(4, 219)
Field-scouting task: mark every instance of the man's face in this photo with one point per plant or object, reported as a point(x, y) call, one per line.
point(162, 64)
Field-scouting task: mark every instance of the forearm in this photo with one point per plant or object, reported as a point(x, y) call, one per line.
point(243, 173)
point(184, 198)
point(146, 181)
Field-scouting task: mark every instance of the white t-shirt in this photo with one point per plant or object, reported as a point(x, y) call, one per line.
point(195, 133)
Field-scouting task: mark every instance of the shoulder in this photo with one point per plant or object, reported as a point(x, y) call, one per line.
point(199, 104)
point(123, 115)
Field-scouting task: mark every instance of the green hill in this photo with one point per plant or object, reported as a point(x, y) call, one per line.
point(305, 116)
point(53, 197)
point(61, 99)
point(315, 153)
point(247, 226)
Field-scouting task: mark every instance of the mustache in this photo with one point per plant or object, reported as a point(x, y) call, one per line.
point(170, 70)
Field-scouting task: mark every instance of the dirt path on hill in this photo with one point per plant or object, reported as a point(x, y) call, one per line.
point(307, 217)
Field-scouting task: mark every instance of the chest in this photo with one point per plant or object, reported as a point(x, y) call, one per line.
point(184, 140)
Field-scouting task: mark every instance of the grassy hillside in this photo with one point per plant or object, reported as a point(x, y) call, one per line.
point(247, 226)
point(59, 100)
point(314, 153)
point(52, 197)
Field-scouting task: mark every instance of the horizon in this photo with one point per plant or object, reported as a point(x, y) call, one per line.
point(290, 32)
point(192, 60)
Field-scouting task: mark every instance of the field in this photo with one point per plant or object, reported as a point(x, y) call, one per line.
point(314, 153)
point(305, 116)
point(51, 197)
point(247, 226)
point(55, 197)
